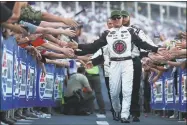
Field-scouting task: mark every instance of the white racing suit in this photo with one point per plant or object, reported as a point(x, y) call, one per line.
point(119, 42)
point(121, 69)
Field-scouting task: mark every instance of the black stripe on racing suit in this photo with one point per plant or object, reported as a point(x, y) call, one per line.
point(97, 44)
point(93, 47)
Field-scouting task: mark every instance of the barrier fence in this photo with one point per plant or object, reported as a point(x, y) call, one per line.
point(23, 85)
point(166, 96)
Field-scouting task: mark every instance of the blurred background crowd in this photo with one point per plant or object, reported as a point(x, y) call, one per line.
point(153, 17)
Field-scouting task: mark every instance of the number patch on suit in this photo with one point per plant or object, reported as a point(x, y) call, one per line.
point(119, 46)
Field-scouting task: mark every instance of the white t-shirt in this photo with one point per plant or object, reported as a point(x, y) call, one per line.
point(106, 58)
point(73, 66)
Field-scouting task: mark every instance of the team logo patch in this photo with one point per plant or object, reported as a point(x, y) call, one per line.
point(123, 31)
point(113, 32)
point(119, 46)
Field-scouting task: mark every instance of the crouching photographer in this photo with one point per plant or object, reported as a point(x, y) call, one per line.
point(78, 94)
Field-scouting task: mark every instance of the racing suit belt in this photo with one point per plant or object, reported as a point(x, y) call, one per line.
point(120, 58)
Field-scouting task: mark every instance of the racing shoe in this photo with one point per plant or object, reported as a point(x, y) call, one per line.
point(135, 119)
point(129, 117)
point(14, 119)
point(116, 116)
point(2, 123)
point(102, 112)
point(8, 121)
point(18, 115)
point(17, 118)
point(32, 115)
point(25, 113)
point(124, 120)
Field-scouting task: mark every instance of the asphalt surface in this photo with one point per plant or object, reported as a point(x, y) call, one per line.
point(96, 119)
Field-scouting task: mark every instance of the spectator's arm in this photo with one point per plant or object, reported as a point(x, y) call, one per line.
point(58, 63)
point(44, 72)
point(85, 83)
point(95, 46)
point(53, 18)
point(181, 45)
point(66, 51)
point(49, 30)
point(52, 24)
point(16, 12)
point(53, 55)
point(159, 73)
point(21, 40)
point(85, 58)
point(34, 52)
point(14, 28)
point(55, 40)
point(172, 63)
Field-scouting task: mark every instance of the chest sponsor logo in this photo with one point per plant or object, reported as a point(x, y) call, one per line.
point(112, 32)
point(123, 31)
point(124, 37)
point(119, 46)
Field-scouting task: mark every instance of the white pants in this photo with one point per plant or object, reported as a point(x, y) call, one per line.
point(121, 72)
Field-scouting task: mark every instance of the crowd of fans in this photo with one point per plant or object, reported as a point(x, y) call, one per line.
point(45, 37)
point(48, 37)
point(155, 65)
point(94, 22)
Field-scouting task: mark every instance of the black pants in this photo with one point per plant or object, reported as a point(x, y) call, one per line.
point(135, 106)
point(147, 94)
point(175, 82)
point(108, 88)
point(74, 105)
point(95, 84)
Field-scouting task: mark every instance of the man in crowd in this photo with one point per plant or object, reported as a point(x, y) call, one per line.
point(95, 83)
point(78, 94)
point(135, 107)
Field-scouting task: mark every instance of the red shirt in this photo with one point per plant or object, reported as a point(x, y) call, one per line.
point(37, 42)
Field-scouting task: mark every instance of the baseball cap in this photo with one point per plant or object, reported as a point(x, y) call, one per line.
point(124, 13)
point(115, 13)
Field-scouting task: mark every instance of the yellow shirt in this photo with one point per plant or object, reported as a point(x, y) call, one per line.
point(94, 70)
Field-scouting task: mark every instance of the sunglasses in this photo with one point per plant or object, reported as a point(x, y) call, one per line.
point(116, 17)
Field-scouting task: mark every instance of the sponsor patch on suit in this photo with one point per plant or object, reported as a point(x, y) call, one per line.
point(112, 32)
point(123, 31)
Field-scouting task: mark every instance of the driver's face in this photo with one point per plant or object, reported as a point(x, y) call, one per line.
point(116, 21)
